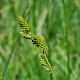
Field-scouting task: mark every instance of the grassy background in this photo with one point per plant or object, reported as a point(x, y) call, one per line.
point(58, 21)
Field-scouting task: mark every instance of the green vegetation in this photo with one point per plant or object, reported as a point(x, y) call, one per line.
point(58, 21)
point(38, 41)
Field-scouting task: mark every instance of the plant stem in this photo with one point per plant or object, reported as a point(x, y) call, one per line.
point(67, 14)
point(78, 43)
point(8, 61)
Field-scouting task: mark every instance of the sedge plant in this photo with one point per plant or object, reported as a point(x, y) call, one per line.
point(38, 41)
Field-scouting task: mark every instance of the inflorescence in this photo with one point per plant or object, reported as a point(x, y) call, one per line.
point(38, 41)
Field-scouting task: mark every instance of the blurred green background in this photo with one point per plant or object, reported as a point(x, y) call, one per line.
point(58, 21)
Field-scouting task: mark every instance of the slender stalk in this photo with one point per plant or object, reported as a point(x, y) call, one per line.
point(67, 51)
point(68, 60)
point(8, 61)
point(67, 19)
point(78, 44)
point(78, 76)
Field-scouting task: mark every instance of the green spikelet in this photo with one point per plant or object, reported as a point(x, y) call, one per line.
point(23, 24)
point(45, 63)
point(24, 35)
point(39, 41)
point(43, 45)
point(34, 40)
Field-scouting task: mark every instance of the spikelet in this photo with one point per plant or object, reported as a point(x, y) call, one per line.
point(35, 41)
point(23, 24)
point(45, 63)
point(43, 45)
point(39, 41)
point(24, 35)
